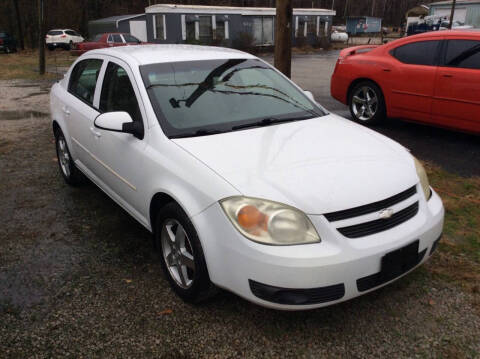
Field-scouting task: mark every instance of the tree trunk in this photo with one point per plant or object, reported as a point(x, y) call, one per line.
point(19, 25)
point(452, 14)
point(41, 38)
point(283, 37)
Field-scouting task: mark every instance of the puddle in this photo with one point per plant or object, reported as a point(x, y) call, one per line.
point(20, 115)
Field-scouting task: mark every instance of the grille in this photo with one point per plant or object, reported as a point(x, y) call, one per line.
point(372, 207)
point(297, 296)
point(380, 225)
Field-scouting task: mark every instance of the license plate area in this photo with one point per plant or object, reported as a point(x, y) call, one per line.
point(399, 261)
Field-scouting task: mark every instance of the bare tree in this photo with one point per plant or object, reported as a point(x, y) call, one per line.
point(41, 31)
point(19, 24)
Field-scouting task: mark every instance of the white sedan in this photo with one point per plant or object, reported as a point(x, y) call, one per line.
point(245, 181)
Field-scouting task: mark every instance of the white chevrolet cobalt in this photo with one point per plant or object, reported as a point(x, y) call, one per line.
point(245, 181)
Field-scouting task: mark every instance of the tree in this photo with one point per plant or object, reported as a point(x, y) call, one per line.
point(41, 31)
point(19, 24)
point(283, 37)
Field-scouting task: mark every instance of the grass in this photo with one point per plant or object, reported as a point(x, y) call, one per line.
point(459, 251)
point(24, 64)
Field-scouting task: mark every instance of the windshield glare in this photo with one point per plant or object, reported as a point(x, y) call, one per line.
point(217, 95)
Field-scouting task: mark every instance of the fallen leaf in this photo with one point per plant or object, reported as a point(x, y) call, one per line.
point(128, 280)
point(166, 311)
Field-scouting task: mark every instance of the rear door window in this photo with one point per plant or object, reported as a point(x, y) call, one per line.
point(83, 79)
point(70, 32)
point(418, 53)
point(463, 54)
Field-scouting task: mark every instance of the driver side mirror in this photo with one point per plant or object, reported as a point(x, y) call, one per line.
point(119, 121)
point(309, 95)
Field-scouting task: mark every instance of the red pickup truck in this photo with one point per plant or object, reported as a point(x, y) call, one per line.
point(101, 41)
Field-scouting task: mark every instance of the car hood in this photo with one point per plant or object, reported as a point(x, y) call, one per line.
point(320, 165)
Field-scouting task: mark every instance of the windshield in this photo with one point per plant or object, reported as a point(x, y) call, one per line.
point(205, 97)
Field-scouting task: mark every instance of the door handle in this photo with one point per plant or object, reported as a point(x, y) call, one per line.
point(447, 76)
point(387, 70)
point(66, 111)
point(95, 133)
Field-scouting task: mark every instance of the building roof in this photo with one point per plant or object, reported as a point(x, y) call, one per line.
point(116, 19)
point(201, 9)
point(459, 2)
point(160, 53)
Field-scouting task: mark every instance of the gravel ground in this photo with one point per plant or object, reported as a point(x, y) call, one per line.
point(79, 277)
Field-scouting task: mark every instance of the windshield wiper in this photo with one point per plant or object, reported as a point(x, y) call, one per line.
point(269, 121)
point(198, 133)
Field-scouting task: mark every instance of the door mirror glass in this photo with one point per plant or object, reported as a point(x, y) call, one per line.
point(309, 95)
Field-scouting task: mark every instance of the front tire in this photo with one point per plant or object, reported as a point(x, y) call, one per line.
point(69, 171)
point(367, 103)
point(181, 252)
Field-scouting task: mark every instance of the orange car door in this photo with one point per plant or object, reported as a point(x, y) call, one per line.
point(457, 92)
point(411, 80)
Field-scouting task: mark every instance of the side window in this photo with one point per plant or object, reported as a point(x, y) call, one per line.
point(84, 79)
point(418, 53)
point(118, 94)
point(117, 38)
point(70, 32)
point(463, 54)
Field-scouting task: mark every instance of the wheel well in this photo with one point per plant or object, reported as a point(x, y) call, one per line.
point(158, 201)
point(56, 128)
point(357, 81)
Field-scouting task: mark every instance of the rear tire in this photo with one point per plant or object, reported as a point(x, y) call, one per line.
point(182, 258)
point(69, 171)
point(7, 49)
point(367, 103)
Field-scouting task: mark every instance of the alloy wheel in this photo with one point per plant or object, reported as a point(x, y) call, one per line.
point(364, 103)
point(177, 253)
point(63, 156)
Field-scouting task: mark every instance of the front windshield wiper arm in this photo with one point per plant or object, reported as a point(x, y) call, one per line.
point(268, 122)
point(197, 133)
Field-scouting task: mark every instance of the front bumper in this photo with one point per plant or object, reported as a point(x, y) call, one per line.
point(330, 270)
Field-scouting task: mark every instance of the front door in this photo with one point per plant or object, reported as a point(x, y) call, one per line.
point(120, 156)
point(457, 93)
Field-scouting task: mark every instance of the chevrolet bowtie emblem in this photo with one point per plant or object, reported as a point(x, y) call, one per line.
point(386, 213)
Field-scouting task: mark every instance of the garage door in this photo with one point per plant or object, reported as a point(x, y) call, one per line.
point(460, 14)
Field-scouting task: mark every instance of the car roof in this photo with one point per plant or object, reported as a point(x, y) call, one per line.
point(162, 53)
point(448, 33)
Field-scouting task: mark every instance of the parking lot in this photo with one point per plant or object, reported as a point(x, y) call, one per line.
point(79, 277)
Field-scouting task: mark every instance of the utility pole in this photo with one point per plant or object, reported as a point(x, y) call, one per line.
point(41, 37)
point(452, 14)
point(283, 37)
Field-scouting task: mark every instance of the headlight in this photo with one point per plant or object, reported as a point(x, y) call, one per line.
point(422, 174)
point(269, 222)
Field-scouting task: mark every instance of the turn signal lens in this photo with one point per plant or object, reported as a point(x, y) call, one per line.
point(269, 222)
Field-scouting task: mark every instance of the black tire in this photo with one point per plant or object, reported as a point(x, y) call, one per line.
point(69, 46)
point(201, 287)
point(373, 112)
point(51, 47)
point(70, 173)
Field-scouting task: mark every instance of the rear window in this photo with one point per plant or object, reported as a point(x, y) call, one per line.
point(2, 34)
point(463, 54)
point(55, 32)
point(418, 53)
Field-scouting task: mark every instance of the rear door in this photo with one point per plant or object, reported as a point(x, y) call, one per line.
point(411, 79)
point(79, 111)
point(457, 94)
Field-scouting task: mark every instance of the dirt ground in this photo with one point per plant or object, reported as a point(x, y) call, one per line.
point(79, 277)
